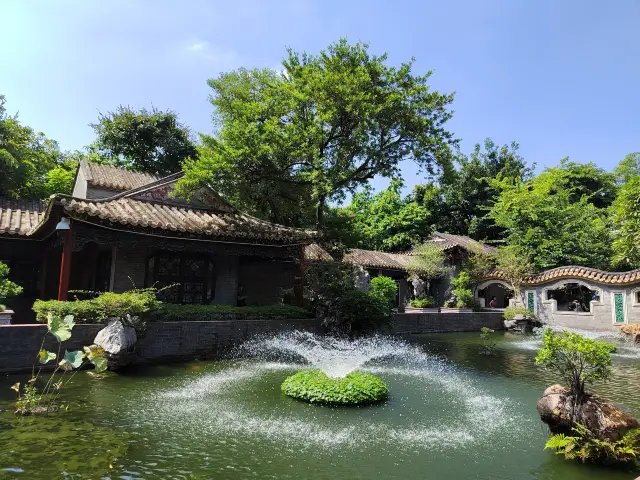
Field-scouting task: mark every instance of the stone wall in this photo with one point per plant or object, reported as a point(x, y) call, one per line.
point(406, 323)
point(176, 341)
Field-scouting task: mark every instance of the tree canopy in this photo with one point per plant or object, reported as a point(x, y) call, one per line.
point(323, 126)
point(555, 218)
point(25, 157)
point(626, 225)
point(144, 140)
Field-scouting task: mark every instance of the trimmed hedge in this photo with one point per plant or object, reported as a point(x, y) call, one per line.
point(144, 304)
point(314, 386)
point(167, 312)
point(97, 310)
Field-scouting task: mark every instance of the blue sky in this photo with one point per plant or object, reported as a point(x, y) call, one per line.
point(562, 78)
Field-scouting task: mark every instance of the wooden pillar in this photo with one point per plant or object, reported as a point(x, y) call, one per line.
point(65, 266)
point(299, 286)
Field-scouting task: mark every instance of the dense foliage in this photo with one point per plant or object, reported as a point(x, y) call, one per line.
point(25, 158)
point(331, 294)
point(558, 217)
point(511, 312)
point(7, 287)
point(626, 224)
point(428, 262)
point(386, 220)
point(99, 309)
point(384, 288)
point(580, 361)
point(584, 446)
point(356, 388)
point(291, 141)
point(462, 294)
point(426, 302)
point(145, 140)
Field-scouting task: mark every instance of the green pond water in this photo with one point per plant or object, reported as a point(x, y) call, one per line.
point(452, 413)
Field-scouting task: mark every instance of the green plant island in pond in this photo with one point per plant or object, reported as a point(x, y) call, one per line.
point(32, 400)
point(315, 386)
point(585, 427)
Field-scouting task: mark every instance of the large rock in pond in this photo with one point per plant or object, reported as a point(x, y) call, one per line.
point(118, 342)
point(598, 415)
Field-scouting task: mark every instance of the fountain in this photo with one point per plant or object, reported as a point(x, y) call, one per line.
point(431, 403)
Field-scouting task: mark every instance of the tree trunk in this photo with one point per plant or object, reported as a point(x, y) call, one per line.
point(320, 211)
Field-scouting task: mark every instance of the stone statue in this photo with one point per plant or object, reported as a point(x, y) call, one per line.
point(419, 287)
point(362, 279)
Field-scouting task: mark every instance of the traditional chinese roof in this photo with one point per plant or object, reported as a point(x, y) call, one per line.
point(447, 241)
point(18, 217)
point(581, 273)
point(315, 253)
point(109, 176)
point(398, 261)
point(216, 225)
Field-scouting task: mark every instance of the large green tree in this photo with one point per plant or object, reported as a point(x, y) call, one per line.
point(291, 141)
point(554, 218)
point(388, 221)
point(468, 194)
point(628, 168)
point(143, 140)
point(25, 157)
point(625, 215)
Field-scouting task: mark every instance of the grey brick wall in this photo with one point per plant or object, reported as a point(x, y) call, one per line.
point(445, 322)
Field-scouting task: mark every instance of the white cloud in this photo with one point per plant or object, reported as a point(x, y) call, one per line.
point(202, 49)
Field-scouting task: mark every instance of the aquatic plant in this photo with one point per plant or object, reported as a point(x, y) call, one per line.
point(32, 401)
point(488, 343)
point(356, 388)
point(585, 446)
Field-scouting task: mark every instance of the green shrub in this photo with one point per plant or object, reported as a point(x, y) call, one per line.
point(383, 287)
point(462, 291)
point(98, 309)
point(585, 447)
point(359, 311)
point(7, 287)
point(331, 294)
point(167, 312)
point(143, 303)
point(511, 312)
point(426, 302)
point(314, 386)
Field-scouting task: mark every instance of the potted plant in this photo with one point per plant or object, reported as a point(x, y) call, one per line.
point(427, 263)
point(7, 289)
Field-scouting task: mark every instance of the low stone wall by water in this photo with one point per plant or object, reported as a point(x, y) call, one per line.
point(176, 341)
point(405, 323)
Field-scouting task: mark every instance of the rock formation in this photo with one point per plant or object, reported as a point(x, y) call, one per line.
point(598, 415)
point(118, 342)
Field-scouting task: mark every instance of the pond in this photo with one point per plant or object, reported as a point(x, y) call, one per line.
point(452, 413)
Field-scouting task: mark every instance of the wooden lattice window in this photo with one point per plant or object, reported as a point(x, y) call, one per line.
point(193, 274)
